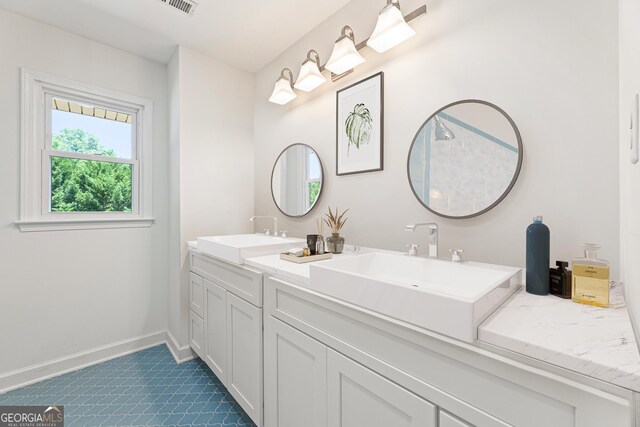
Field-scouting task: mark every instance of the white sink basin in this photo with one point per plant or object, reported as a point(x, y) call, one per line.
point(235, 248)
point(445, 297)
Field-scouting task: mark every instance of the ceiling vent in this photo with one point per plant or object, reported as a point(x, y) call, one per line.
point(184, 6)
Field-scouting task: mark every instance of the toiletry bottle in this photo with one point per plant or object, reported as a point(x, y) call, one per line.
point(560, 280)
point(311, 243)
point(538, 244)
point(590, 284)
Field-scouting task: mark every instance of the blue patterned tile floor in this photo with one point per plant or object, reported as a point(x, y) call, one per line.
point(147, 388)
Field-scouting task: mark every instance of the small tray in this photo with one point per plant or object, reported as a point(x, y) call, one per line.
point(304, 259)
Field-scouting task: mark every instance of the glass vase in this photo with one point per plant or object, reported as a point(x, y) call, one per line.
point(335, 243)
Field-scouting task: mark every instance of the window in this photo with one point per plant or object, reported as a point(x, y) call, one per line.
point(313, 178)
point(86, 157)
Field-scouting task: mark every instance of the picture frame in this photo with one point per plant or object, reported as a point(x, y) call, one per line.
point(360, 126)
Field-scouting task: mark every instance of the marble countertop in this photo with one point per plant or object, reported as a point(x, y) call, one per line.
point(593, 341)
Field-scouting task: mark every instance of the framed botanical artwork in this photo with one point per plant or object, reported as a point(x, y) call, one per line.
point(359, 126)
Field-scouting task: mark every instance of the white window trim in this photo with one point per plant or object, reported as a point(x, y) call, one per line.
point(34, 209)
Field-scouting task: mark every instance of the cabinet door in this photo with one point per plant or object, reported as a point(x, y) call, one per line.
point(196, 333)
point(196, 293)
point(244, 355)
point(295, 377)
point(215, 329)
point(359, 397)
point(448, 420)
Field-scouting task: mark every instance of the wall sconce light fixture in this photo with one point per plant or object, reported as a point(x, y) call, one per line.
point(345, 56)
point(391, 28)
point(310, 76)
point(283, 91)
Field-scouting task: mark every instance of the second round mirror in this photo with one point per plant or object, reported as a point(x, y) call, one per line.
point(464, 159)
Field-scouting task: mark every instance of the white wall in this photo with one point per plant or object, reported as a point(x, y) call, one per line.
point(551, 65)
point(177, 318)
point(629, 15)
point(212, 161)
point(69, 291)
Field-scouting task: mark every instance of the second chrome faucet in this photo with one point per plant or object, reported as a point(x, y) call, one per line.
point(433, 236)
point(267, 231)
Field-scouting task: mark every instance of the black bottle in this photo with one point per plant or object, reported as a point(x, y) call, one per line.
point(560, 280)
point(538, 243)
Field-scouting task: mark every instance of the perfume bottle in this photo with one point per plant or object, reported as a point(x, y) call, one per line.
point(590, 278)
point(560, 280)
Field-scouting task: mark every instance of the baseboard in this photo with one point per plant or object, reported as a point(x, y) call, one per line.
point(180, 354)
point(35, 373)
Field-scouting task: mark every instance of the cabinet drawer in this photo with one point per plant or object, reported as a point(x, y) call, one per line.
point(196, 333)
point(244, 282)
point(196, 294)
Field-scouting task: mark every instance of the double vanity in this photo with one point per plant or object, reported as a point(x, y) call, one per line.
point(376, 338)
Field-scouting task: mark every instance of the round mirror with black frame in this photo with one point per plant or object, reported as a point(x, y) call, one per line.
point(297, 180)
point(464, 159)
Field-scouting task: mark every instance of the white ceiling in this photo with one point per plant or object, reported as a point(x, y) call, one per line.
point(245, 33)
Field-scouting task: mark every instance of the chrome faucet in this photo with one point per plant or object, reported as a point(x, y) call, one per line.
point(433, 236)
point(413, 250)
point(275, 224)
point(456, 255)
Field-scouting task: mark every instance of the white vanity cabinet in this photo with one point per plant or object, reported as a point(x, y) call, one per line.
point(226, 327)
point(309, 384)
point(331, 364)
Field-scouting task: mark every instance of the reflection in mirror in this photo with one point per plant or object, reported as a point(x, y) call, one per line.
point(296, 181)
point(465, 159)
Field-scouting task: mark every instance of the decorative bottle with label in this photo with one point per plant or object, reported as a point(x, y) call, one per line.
point(590, 278)
point(560, 280)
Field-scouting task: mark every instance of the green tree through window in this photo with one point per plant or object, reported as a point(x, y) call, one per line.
point(79, 185)
point(314, 188)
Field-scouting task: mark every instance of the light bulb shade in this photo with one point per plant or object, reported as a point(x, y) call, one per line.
point(283, 92)
point(344, 56)
point(310, 76)
point(443, 133)
point(391, 29)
